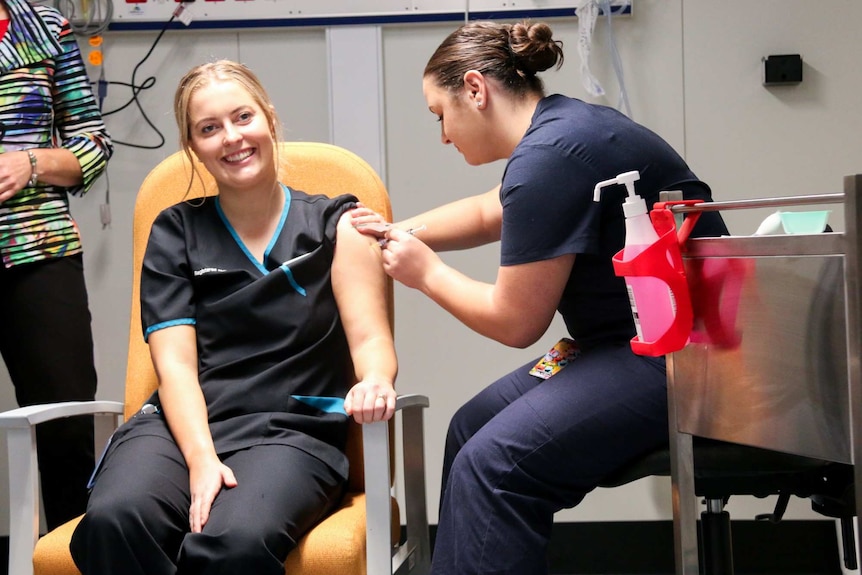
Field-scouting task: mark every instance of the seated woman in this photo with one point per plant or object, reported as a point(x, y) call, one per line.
point(258, 322)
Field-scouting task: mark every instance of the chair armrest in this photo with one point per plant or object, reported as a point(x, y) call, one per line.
point(19, 425)
point(413, 556)
point(34, 414)
point(413, 400)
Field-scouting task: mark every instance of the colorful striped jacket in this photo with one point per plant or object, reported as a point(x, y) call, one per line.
point(45, 101)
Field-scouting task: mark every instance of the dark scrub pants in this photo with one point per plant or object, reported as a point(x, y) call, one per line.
point(139, 511)
point(524, 448)
point(47, 346)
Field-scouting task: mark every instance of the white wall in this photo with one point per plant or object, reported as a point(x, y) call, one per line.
point(751, 141)
point(692, 70)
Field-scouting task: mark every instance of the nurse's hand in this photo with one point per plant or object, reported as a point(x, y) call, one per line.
point(407, 259)
point(206, 479)
point(370, 401)
point(368, 222)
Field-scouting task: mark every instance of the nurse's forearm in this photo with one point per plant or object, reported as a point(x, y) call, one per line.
point(459, 225)
point(474, 304)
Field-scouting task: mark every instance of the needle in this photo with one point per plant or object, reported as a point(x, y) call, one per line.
point(411, 231)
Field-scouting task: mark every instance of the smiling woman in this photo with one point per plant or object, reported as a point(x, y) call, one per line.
point(258, 323)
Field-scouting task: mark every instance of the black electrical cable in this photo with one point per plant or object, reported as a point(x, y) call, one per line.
point(137, 89)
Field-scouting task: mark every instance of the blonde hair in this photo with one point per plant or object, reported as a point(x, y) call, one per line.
point(220, 71)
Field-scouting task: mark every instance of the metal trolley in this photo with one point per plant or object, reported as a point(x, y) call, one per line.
point(774, 357)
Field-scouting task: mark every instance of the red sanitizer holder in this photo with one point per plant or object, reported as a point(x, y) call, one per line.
point(663, 260)
point(651, 264)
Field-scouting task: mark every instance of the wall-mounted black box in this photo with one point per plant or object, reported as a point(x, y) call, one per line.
point(782, 69)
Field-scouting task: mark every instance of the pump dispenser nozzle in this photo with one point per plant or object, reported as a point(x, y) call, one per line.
point(634, 204)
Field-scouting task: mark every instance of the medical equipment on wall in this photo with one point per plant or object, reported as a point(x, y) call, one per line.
point(87, 17)
point(588, 12)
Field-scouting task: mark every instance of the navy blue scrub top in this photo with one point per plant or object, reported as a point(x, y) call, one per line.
point(274, 364)
point(548, 207)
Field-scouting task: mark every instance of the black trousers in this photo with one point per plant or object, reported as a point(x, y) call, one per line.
point(47, 345)
point(137, 521)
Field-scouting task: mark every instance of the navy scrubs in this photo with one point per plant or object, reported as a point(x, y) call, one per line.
point(526, 447)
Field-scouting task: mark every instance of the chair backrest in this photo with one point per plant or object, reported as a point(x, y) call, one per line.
point(315, 168)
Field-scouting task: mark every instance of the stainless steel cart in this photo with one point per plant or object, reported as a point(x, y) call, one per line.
point(774, 359)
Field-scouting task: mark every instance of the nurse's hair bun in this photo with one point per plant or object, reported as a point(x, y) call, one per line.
point(533, 47)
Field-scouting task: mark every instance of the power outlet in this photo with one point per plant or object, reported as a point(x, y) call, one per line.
point(782, 69)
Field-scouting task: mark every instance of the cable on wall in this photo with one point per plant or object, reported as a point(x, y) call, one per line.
point(91, 19)
point(138, 88)
point(623, 103)
point(588, 12)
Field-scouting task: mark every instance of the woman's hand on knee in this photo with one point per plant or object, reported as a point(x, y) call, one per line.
point(206, 481)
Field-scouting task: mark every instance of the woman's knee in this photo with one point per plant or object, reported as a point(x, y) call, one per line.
point(105, 530)
point(465, 423)
point(455, 438)
point(112, 515)
point(476, 461)
point(245, 547)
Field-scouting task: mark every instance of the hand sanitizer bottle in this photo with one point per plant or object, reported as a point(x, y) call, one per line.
point(652, 302)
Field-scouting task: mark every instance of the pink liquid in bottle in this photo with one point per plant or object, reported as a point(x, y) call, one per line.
point(652, 303)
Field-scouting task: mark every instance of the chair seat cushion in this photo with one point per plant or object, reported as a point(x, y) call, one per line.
point(335, 545)
point(52, 556)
